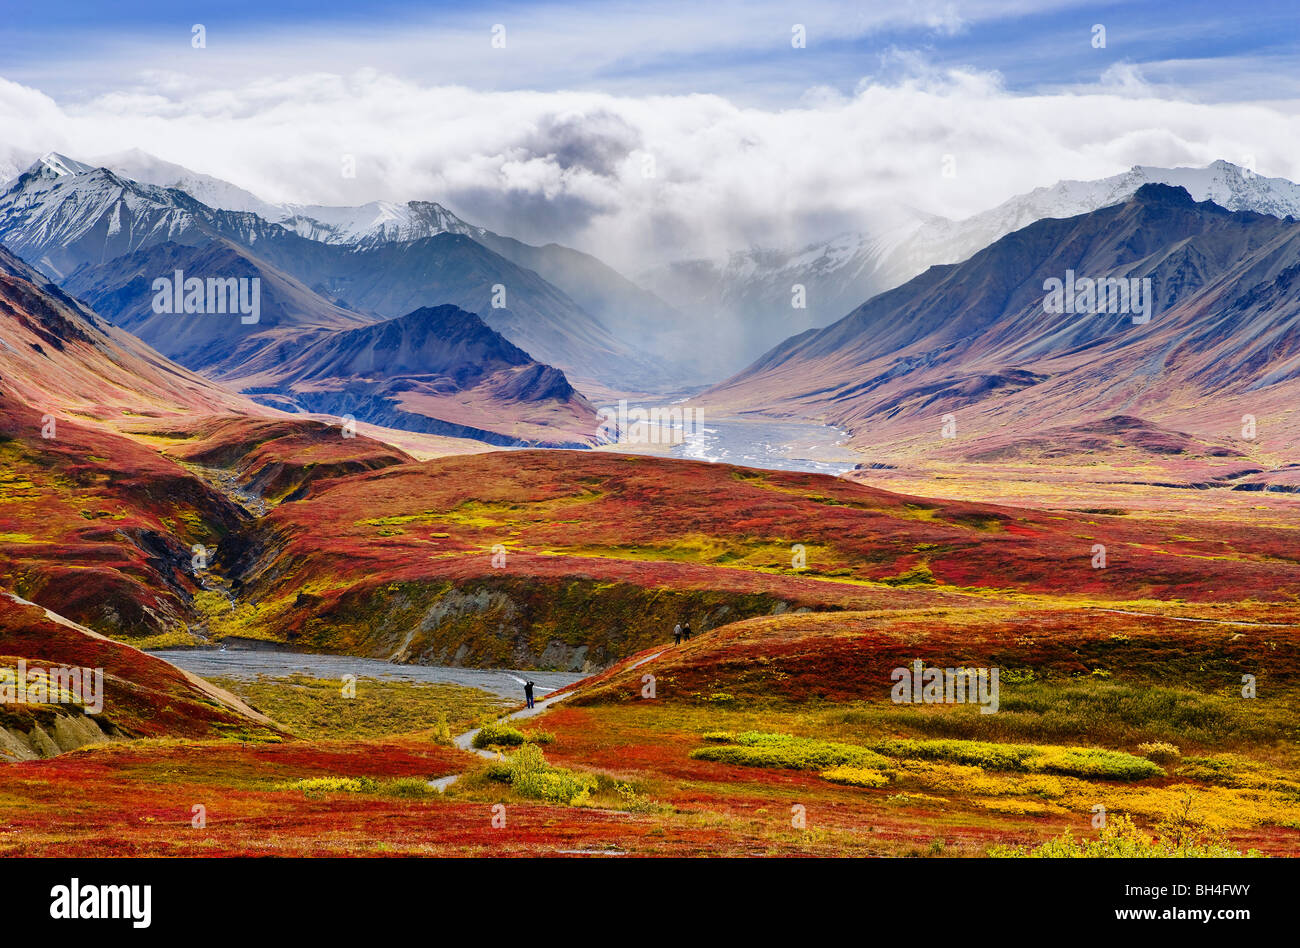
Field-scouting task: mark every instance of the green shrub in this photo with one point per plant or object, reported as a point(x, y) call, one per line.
point(1233, 770)
point(316, 786)
point(530, 775)
point(396, 787)
point(755, 749)
point(855, 776)
point(556, 786)
point(405, 787)
point(1032, 758)
point(440, 733)
point(498, 734)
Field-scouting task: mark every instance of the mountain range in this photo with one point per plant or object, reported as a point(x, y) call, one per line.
point(65, 216)
point(980, 340)
point(385, 311)
point(748, 294)
point(639, 331)
point(107, 239)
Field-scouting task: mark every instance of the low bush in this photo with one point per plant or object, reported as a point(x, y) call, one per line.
point(1071, 761)
point(756, 749)
point(395, 787)
point(1120, 839)
point(498, 734)
point(1017, 807)
point(530, 775)
point(1161, 752)
point(856, 777)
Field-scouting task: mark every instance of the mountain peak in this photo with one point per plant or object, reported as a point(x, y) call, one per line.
point(445, 314)
point(1154, 192)
point(54, 165)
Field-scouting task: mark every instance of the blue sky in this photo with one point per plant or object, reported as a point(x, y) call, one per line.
point(1206, 48)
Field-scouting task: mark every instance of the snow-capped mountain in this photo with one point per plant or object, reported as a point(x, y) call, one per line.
point(634, 316)
point(375, 223)
point(751, 290)
point(107, 236)
point(148, 169)
point(1221, 330)
point(367, 224)
point(61, 213)
point(1227, 185)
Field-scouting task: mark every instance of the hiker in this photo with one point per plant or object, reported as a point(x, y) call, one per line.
point(686, 630)
point(677, 634)
point(528, 692)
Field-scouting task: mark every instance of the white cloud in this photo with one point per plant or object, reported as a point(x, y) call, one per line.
point(569, 165)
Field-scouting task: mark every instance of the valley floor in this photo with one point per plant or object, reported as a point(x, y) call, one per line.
point(735, 753)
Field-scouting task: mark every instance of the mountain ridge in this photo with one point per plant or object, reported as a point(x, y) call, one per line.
point(977, 337)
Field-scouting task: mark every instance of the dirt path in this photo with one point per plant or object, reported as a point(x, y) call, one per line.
point(1156, 615)
point(466, 741)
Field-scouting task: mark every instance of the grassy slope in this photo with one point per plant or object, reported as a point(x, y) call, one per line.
point(604, 553)
point(101, 528)
point(144, 697)
point(607, 552)
point(1238, 766)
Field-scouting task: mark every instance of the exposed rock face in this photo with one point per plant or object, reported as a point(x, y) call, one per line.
point(68, 730)
point(137, 695)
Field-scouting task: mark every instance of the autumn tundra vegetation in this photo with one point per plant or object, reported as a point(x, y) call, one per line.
point(1145, 708)
point(1057, 628)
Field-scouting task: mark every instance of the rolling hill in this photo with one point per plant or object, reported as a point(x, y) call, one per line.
point(142, 696)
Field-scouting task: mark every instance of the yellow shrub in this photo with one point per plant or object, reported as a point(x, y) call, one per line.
point(855, 777)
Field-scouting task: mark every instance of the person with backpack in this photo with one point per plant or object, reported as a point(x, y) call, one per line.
point(686, 630)
point(528, 692)
point(677, 634)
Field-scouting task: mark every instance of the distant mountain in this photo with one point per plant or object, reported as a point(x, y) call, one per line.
point(438, 370)
point(471, 383)
point(122, 289)
point(391, 279)
point(633, 315)
point(214, 192)
point(57, 356)
point(748, 295)
point(978, 339)
point(366, 225)
point(60, 214)
point(65, 216)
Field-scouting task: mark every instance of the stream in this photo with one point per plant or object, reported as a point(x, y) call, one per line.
point(250, 663)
